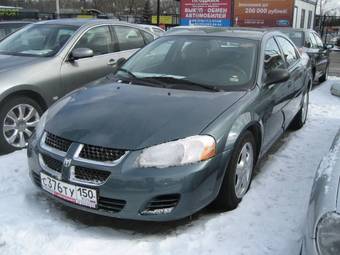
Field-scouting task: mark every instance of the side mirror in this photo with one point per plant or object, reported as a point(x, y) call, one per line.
point(80, 53)
point(121, 62)
point(277, 76)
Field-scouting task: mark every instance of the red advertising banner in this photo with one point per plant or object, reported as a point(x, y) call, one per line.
point(263, 13)
point(206, 12)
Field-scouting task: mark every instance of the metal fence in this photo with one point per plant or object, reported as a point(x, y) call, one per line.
point(328, 27)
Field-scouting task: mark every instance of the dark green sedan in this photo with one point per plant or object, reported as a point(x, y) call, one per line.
point(178, 126)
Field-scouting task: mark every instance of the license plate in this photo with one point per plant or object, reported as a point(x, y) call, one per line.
point(71, 193)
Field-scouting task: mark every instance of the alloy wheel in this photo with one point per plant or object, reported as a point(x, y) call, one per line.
point(19, 124)
point(244, 170)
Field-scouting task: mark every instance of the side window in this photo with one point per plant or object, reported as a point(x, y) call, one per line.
point(272, 57)
point(318, 40)
point(148, 37)
point(289, 51)
point(129, 38)
point(97, 39)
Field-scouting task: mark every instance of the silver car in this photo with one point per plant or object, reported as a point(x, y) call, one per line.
point(42, 62)
point(322, 229)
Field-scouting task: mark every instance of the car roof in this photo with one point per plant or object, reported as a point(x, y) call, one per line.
point(16, 22)
point(82, 22)
point(292, 29)
point(251, 33)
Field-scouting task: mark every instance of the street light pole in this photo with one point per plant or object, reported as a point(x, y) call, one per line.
point(158, 11)
point(57, 8)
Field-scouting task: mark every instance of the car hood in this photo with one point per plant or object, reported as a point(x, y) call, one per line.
point(133, 117)
point(9, 62)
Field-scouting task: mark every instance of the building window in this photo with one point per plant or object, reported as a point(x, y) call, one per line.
point(310, 17)
point(296, 10)
point(302, 22)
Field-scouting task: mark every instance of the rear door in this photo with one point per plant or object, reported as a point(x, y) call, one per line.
point(129, 39)
point(272, 97)
point(292, 91)
point(77, 73)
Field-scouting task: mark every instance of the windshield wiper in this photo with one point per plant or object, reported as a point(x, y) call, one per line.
point(168, 79)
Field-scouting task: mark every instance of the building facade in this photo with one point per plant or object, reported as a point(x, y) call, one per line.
point(304, 13)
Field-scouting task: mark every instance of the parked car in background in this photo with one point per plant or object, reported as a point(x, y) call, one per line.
point(180, 125)
point(8, 27)
point(322, 229)
point(308, 41)
point(155, 30)
point(44, 61)
point(185, 28)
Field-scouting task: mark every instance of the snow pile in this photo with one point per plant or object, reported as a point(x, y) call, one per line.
point(335, 89)
point(268, 221)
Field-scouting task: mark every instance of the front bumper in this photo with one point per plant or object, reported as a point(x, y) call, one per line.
point(194, 185)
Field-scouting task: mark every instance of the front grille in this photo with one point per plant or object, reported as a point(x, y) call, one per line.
point(112, 205)
point(57, 142)
point(162, 202)
point(101, 154)
point(90, 175)
point(52, 163)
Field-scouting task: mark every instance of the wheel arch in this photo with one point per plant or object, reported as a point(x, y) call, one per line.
point(27, 91)
point(246, 122)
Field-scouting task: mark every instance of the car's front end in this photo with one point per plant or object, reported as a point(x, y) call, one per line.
point(129, 163)
point(122, 188)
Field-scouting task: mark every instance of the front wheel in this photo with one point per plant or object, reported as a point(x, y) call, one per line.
point(239, 173)
point(18, 120)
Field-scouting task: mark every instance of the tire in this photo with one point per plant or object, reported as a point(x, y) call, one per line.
point(228, 197)
point(301, 117)
point(324, 77)
point(21, 127)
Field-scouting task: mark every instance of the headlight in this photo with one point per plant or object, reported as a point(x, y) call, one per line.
point(184, 151)
point(41, 125)
point(328, 234)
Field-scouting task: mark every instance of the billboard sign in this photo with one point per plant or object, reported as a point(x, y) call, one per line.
point(206, 13)
point(263, 13)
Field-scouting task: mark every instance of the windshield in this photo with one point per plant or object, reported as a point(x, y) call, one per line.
point(37, 40)
point(219, 62)
point(296, 37)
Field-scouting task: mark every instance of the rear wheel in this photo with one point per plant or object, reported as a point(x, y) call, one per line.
point(239, 173)
point(18, 120)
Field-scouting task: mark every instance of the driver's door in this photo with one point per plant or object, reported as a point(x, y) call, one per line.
point(76, 73)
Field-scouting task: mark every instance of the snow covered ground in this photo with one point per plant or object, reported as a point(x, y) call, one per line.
point(268, 221)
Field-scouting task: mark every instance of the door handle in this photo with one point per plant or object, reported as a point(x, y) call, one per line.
point(112, 62)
